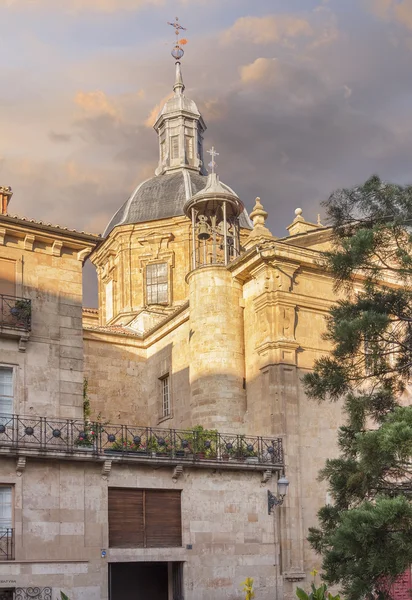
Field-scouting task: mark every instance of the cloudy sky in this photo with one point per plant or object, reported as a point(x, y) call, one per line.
point(300, 97)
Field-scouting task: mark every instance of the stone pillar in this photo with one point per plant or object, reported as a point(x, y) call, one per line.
point(217, 367)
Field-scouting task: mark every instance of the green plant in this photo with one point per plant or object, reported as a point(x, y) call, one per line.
point(248, 588)
point(204, 441)
point(63, 596)
point(245, 448)
point(127, 446)
point(86, 401)
point(152, 444)
point(316, 593)
point(90, 433)
point(22, 310)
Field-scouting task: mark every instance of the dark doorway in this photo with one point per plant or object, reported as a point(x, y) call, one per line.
point(139, 581)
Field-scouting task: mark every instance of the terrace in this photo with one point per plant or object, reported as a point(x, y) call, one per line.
point(79, 440)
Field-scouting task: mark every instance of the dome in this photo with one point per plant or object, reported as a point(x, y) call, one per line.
point(162, 197)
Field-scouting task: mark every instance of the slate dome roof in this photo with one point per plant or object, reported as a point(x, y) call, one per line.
point(162, 197)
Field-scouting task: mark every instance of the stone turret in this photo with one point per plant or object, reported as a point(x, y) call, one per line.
point(217, 361)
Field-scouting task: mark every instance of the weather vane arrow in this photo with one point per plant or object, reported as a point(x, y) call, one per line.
point(177, 51)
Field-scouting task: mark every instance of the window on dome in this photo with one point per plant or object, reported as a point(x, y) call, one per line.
point(174, 141)
point(157, 283)
point(189, 147)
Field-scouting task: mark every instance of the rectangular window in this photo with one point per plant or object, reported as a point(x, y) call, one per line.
point(174, 142)
point(189, 147)
point(6, 509)
point(6, 391)
point(165, 381)
point(109, 300)
point(157, 283)
point(144, 518)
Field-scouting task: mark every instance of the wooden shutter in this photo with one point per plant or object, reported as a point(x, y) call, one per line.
point(7, 277)
point(163, 518)
point(126, 518)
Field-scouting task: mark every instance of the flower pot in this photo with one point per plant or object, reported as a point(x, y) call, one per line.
point(84, 449)
point(252, 459)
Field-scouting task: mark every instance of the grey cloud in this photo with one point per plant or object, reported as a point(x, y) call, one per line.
point(59, 138)
point(291, 139)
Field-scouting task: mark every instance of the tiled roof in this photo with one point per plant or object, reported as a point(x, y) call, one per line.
point(35, 222)
point(116, 329)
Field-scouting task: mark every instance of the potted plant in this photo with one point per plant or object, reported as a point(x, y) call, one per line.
point(164, 447)
point(202, 442)
point(228, 450)
point(127, 446)
point(246, 451)
point(152, 445)
point(21, 311)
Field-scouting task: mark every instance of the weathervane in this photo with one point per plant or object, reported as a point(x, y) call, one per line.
point(213, 154)
point(177, 51)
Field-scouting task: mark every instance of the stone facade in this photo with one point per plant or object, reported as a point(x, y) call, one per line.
point(223, 346)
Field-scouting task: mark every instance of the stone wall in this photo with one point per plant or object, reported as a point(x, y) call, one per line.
point(61, 524)
point(48, 368)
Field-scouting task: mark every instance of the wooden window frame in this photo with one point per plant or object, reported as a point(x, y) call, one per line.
point(156, 284)
point(5, 367)
point(165, 396)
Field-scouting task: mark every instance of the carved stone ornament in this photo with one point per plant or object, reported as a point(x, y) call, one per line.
point(106, 469)
point(177, 472)
point(21, 465)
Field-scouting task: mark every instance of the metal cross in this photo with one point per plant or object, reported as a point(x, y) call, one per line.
point(177, 26)
point(213, 153)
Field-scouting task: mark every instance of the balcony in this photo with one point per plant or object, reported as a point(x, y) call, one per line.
point(15, 319)
point(6, 544)
point(131, 443)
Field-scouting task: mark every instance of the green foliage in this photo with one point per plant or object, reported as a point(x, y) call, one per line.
point(316, 593)
point(248, 588)
point(63, 596)
point(202, 441)
point(365, 537)
point(86, 401)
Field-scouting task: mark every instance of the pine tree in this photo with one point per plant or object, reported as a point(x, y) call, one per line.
point(365, 535)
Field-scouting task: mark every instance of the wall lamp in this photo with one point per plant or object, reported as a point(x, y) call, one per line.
point(273, 500)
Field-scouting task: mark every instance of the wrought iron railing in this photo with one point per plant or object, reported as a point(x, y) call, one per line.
point(15, 312)
point(6, 543)
point(58, 435)
point(34, 593)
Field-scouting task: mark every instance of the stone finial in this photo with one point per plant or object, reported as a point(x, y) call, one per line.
point(259, 231)
point(300, 225)
point(258, 214)
point(5, 197)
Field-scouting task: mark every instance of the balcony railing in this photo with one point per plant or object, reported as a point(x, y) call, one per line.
point(131, 441)
point(15, 313)
point(6, 544)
